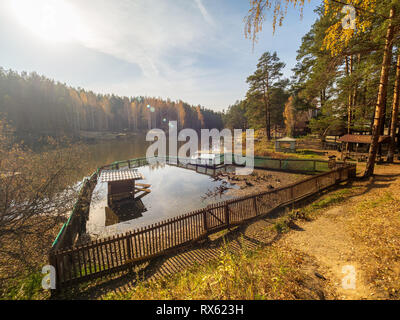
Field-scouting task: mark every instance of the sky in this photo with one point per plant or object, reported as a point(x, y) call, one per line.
point(193, 50)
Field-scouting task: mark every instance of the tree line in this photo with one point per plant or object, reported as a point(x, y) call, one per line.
point(36, 105)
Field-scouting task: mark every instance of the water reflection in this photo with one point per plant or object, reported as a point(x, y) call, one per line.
point(107, 152)
point(174, 191)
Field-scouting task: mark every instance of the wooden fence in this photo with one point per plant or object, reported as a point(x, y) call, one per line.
point(121, 252)
point(75, 226)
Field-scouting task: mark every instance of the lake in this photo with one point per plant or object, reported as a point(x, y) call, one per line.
point(107, 152)
point(174, 191)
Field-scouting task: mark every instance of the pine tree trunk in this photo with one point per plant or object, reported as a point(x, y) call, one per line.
point(395, 112)
point(269, 125)
point(267, 111)
point(349, 71)
point(380, 105)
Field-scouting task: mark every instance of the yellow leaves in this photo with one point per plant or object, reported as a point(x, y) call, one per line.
point(337, 38)
point(288, 114)
point(256, 14)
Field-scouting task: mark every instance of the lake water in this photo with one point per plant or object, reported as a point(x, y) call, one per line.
point(174, 191)
point(107, 152)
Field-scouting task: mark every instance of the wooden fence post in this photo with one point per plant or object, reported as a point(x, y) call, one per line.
point(128, 246)
point(292, 196)
point(128, 250)
point(205, 219)
point(255, 205)
point(53, 263)
point(227, 218)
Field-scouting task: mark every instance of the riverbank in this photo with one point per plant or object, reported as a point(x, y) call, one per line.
point(98, 136)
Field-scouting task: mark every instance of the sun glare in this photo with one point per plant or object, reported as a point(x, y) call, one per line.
point(51, 20)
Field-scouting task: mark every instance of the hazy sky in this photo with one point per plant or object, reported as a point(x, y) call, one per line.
point(194, 50)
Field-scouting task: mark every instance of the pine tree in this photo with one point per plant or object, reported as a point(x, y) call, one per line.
point(268, 74)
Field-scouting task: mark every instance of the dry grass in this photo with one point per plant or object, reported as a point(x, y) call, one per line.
point(20, 268)
point(375, 226)
point(269, 273)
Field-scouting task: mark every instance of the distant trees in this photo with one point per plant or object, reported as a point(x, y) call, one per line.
point(265, 100)
point(39, 106)
point(235, 117)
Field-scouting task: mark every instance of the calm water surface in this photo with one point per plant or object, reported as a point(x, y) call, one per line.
point(174, 190)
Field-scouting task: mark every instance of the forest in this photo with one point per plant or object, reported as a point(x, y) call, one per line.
point(345, 81)
point(37, 106)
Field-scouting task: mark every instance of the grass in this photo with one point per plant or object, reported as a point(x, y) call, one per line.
point(269, 273)
point(328, 200)
point(265, 148)
point(27, 287)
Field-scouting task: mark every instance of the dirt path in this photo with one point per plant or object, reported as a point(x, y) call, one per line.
point(330, 244)
point(342, 237)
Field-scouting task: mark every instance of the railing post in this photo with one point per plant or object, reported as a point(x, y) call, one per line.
point(255, 205)
point(53, 263)
point(227, 218)
point(128, 246)
point(292, 196)
point(205, 219)
point(129, 250)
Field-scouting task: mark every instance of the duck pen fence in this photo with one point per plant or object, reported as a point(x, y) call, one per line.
point(102, 257)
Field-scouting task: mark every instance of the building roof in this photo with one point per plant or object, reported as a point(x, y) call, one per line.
point(120, 175)
point(286, 139)
point(361, 138)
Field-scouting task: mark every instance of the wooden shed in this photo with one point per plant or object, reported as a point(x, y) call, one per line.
point(121, 183)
